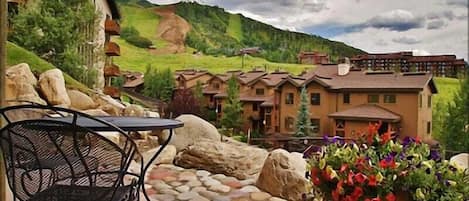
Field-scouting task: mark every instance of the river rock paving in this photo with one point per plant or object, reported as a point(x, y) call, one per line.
point(172, 183)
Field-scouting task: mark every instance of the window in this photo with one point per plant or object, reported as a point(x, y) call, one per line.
point(289, 99)
point(219, 108)
point(373, 98)
point(289, 123)
point(268, 120)
point(315, 123)
point(429, 127)
point(255, 107)
point(346, 98)
point(315, 99)
point(429, 101)
point(340, 128)
point(216, 86)
point(389, 98)
point(420, 100)
point(260, 91)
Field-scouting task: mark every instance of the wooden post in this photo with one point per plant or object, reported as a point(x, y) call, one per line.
point(3, 63)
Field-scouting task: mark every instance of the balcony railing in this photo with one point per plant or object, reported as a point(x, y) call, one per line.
point(111, 70)
point(112, 91)
point(112, 27)
point(112, 49)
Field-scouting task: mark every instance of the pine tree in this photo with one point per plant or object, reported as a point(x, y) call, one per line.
point(303, 123)
point(455, 134)
point(167, 86)
point(198, 91)
point(232, 112)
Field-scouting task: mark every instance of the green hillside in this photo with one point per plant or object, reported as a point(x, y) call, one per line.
point(145, 20)
point(217, 32)
point(17, 54)
point(447, 87)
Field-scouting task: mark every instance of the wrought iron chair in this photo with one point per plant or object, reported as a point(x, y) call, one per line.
point(51, 160)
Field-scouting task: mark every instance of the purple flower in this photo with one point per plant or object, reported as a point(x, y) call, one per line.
point(438, 176)
point(407, 141)
point(435, 155)
point(326, 139)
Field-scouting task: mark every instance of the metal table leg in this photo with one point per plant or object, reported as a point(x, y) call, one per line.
point(145, 169)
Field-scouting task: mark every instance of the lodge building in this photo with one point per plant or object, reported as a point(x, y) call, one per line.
point(342, 100)
point(438, 65)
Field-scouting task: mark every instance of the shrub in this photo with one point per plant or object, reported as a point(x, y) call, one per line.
point(139, 41)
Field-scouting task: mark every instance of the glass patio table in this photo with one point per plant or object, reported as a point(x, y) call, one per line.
point(129, 124)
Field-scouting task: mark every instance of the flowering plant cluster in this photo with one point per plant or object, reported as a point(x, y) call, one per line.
point(381, 168)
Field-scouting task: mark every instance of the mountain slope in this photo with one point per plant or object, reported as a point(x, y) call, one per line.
point(146, 20)
point(215, 31)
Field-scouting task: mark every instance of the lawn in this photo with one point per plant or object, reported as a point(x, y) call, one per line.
point(234, 27)
point(17, 54)
point(447, 88)
point(136, 59)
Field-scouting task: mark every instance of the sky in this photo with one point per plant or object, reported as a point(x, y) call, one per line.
point(423, 26)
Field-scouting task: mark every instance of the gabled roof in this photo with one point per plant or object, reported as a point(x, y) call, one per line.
point(272, 79)
point(191, 74)
point(367, 112)
point(251, 76)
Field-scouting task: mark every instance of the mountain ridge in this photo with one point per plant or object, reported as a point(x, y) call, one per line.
point(214, 31)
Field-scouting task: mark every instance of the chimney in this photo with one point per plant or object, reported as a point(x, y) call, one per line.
point(343, 67)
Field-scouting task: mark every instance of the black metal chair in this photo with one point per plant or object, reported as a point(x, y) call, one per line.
point(51, 160)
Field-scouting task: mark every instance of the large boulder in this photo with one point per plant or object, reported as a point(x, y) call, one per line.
point(108, 104)
point(283, 175)
point(194, 129)
point(165, 157)
point(241, 162)
point(461, 160)
point(52, 85)
point(20, 85)
point(80, 100)
point(134, 111)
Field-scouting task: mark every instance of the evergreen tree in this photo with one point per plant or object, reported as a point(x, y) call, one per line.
point(198, 91)
point(455, 134)
point(167, 86)
point(232, 112)
point(303, 123)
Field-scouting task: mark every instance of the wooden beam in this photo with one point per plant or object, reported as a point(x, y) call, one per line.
point(3, 49)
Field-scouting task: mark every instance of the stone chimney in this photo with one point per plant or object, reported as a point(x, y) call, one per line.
point(344, 66)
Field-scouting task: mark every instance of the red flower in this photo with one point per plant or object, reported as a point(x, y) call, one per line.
point(350, 178)
point(417, 140)
point(343, 167)
point(339, 187)
point(357, 192)
point(335, 195)
point(385, 138)
point(326, 176)
point(372, 180)
point(383, 163)
point(360, 178)
point(390, 197)
point(316, 181)
point(392, 164)
point(376, 199)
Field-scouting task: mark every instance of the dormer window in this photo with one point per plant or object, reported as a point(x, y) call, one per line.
point(260, 91)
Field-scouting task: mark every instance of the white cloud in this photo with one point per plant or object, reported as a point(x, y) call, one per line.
point(406, 40)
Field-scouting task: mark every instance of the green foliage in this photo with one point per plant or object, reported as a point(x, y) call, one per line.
point(159, 84)
point(378, 167)
point(439, 113)
point(216, 32)
point(198, 90)
point(455, 134)
point(132, 36)
point(303, 124)
point(232, 109)
point(49, 29)
point(118, 81)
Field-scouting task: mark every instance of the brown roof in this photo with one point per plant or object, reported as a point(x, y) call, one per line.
point(246, 78)
point(268, 103)
point(367, 112)
point(190, 74)
point(273, 79)
point(133, 83)
point(361, 80)
point(308, 54)
point(248, 98)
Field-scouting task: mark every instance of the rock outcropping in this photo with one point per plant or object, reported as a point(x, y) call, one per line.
point(20, 85)
point(52, 85)
point(218, 157)
point(194, 130)
point(283, 175)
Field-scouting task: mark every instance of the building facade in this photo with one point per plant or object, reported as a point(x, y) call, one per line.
point(438, 65)
point(342, 100)
point(313, 58)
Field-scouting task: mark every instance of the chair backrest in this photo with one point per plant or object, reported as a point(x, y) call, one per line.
point(43, 153)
